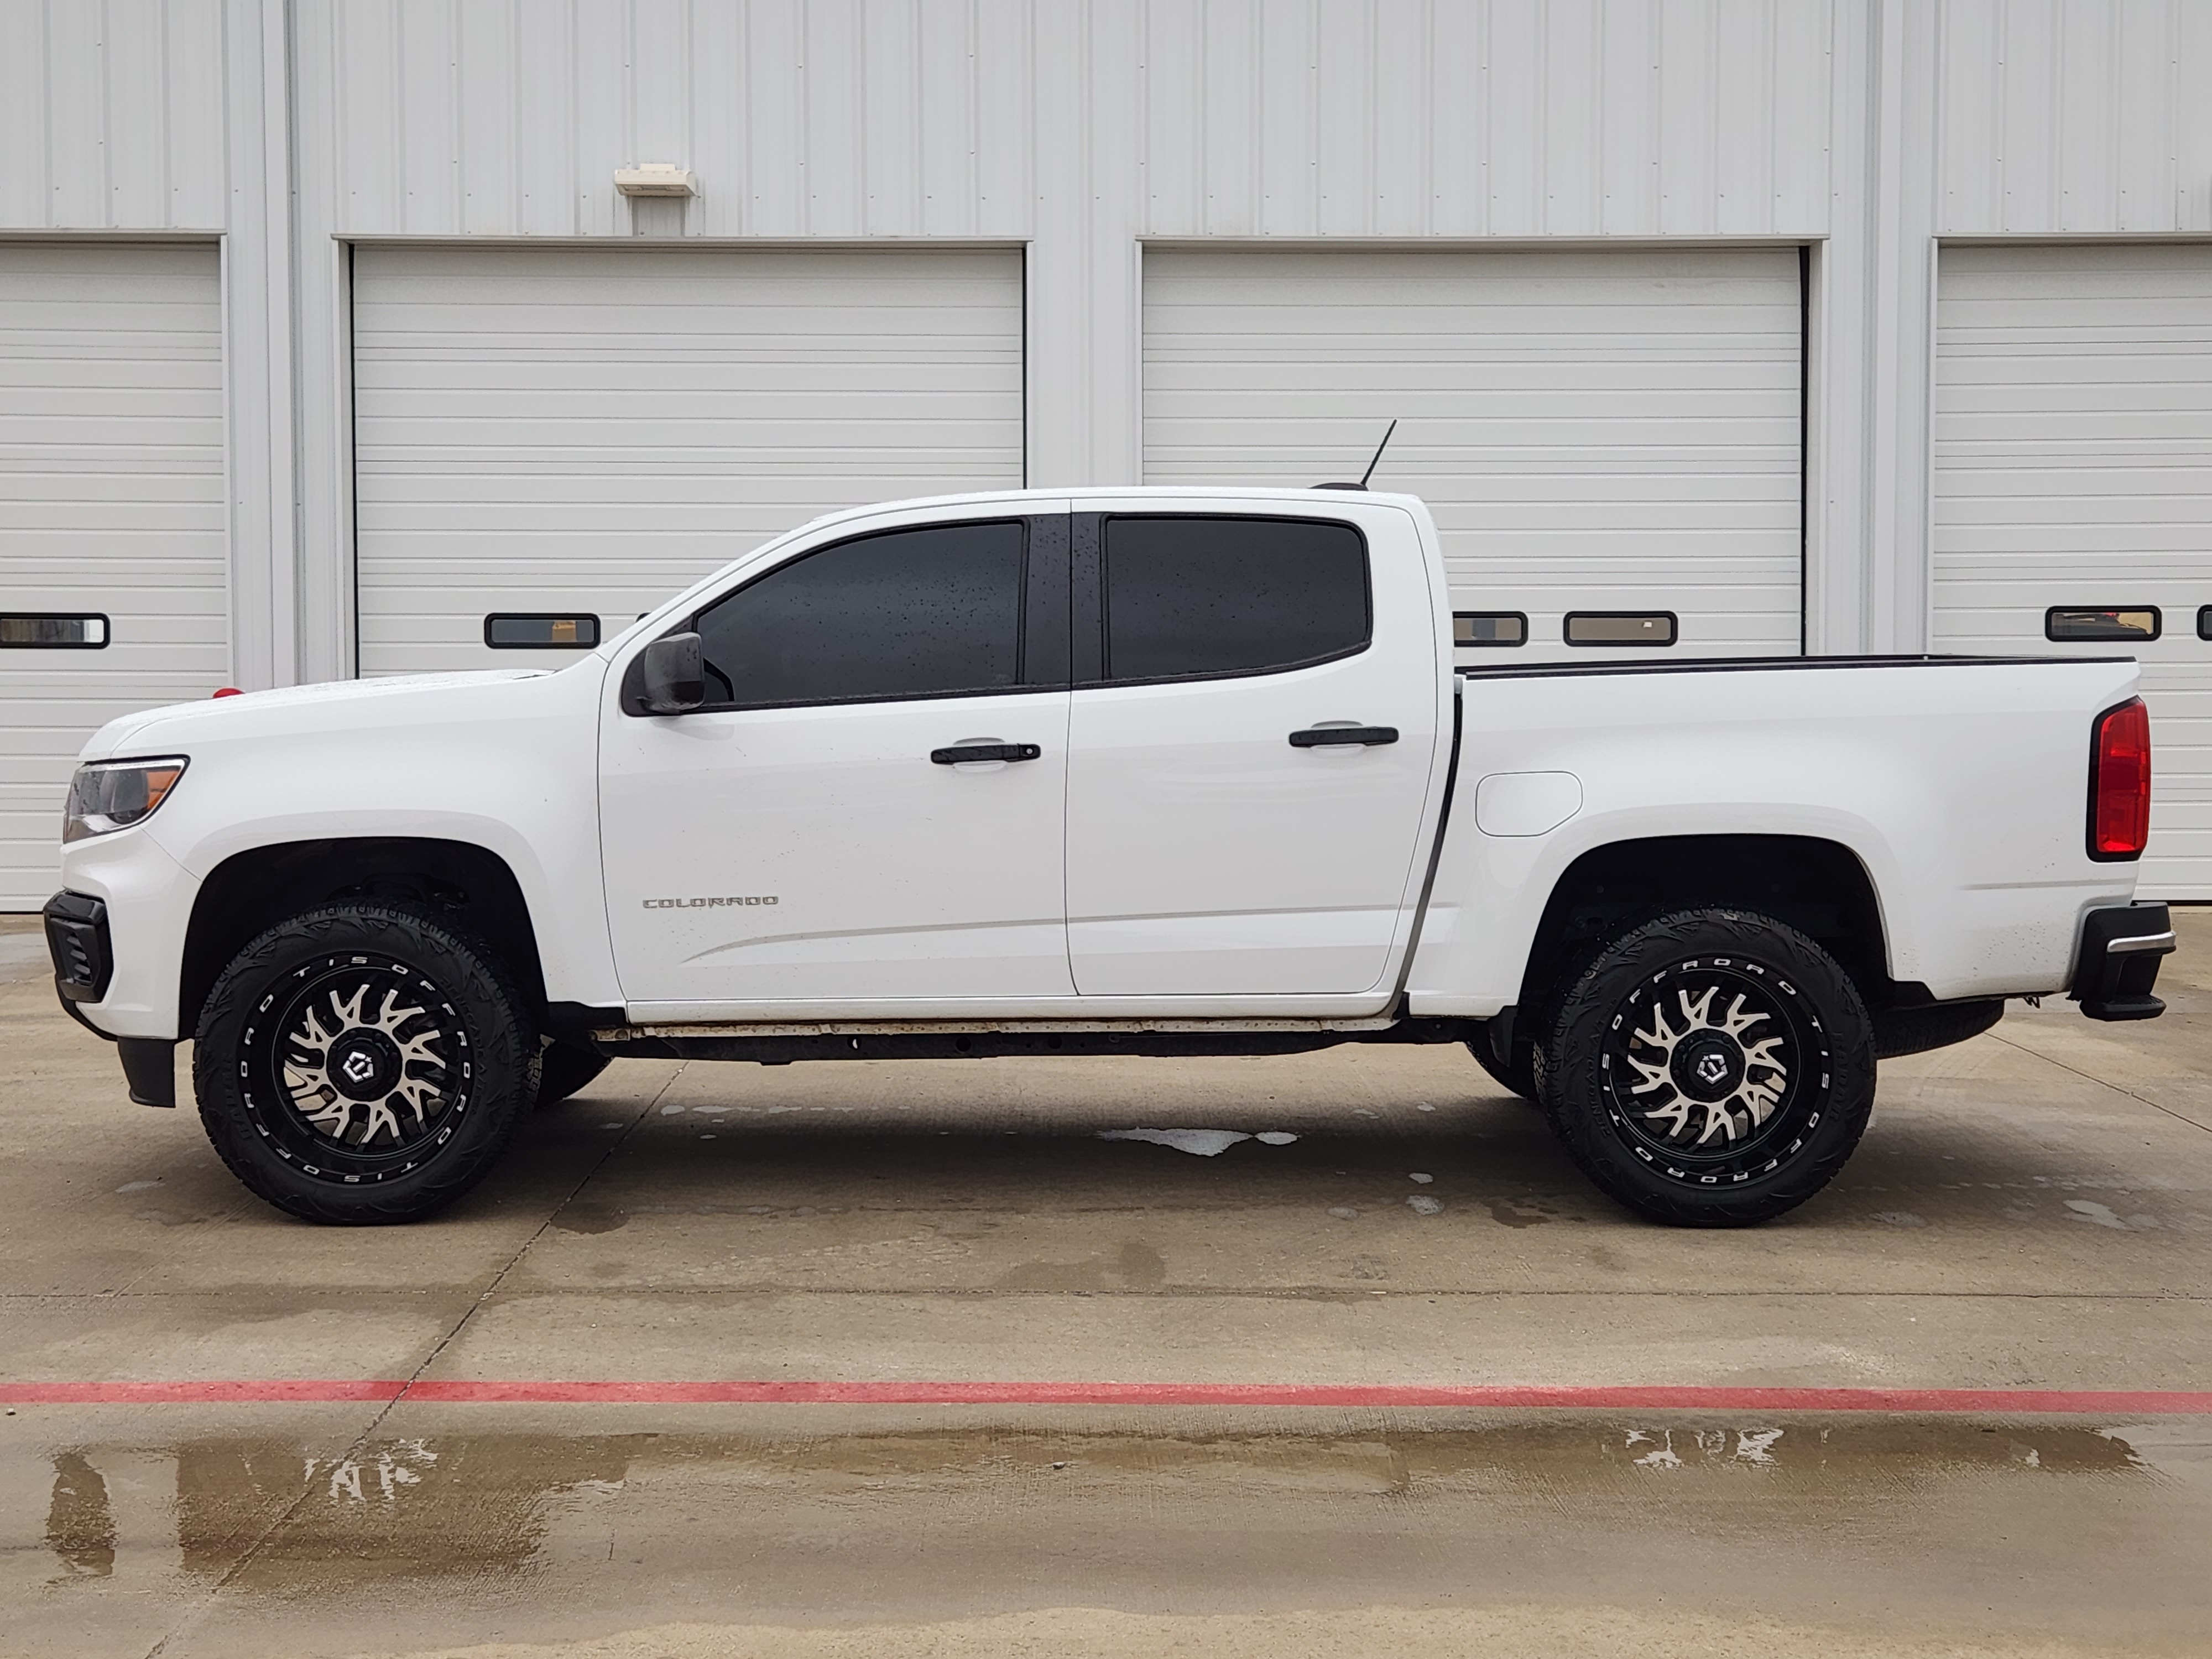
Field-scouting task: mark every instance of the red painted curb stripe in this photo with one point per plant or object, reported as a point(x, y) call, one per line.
point(2002, 1402)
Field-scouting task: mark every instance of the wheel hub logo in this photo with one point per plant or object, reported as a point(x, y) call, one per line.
point(357, 1066)
point(1712, 1068)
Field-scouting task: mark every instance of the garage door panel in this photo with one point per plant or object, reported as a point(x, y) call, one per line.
point(2073, 467)
point(1593, 431)
point(590, 430)
point(111, 502)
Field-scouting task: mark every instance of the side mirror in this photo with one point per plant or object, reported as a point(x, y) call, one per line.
point(675, 675)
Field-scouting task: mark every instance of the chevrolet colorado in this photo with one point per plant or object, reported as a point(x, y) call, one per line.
point(1106, 771)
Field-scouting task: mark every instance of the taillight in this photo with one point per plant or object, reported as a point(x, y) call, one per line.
point(2120, 782)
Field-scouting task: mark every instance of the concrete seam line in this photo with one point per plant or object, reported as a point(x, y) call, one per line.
point(2164, 1402)
point(2089, 1077)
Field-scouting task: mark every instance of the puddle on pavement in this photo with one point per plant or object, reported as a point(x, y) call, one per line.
point(474, 1505)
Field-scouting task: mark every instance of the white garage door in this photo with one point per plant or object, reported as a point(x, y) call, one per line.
point(2074, 491)
point(111, 545)
point(1595, 432)
point(573, 431)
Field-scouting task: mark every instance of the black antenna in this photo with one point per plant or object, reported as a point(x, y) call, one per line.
point(1371, 465)
point(1377, 461)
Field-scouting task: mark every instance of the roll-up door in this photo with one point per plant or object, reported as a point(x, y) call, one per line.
point(2074, 491)
point(563, 437)
point(1610, 441)
point(113, 582)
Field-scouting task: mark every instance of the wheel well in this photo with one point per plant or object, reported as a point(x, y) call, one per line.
point(467, 888)
point(1817, 887)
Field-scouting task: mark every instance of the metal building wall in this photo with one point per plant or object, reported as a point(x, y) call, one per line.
point(1081, 130)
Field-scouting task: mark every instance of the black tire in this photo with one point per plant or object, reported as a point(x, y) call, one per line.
point(362, 1011)
point(565, 1067)
point(1744, 1112)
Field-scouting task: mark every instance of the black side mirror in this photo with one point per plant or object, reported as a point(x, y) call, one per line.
point(675, 675)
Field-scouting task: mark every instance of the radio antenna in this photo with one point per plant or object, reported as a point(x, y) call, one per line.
point(1379, 448)
point(1371, 465)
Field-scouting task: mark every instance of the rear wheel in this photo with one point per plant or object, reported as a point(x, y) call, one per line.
point(1712, 1068)
point(360, 1065)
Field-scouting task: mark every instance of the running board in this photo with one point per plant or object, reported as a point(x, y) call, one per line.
point(779, 1044)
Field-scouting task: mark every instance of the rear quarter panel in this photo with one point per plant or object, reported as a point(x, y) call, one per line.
point(1961, 788)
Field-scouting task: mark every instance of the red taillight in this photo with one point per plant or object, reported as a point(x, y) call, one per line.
point(2120, 782)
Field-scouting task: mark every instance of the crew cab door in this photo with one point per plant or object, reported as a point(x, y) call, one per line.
point(871, 807)
point(1221, 844)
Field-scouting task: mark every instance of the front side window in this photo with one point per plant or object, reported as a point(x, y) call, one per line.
point(909, 613)
point(1187, 597)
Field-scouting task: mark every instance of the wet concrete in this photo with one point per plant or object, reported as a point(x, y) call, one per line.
point(2031, 1210)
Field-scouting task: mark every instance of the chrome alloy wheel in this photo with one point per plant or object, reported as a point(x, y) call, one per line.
point(356, 1069)
point(1714, 1070)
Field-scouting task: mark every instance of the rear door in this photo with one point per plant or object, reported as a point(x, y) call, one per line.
point(1252, 745)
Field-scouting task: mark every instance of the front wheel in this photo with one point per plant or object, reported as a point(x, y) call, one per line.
point(1712, 1068)
point(361, 1064)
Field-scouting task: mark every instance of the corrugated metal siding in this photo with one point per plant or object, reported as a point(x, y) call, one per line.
point(2073, 467)
point(111, 500)
point(111, 115)
point(2060, 116)
point(921, 117)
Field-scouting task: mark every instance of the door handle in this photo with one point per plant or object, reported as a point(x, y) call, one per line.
point(1330, 736)
point(986, 751)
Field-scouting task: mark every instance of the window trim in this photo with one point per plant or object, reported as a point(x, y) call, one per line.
point(1567, 621)
point(2157, 625)
point(1087, 618)
point(1033, 542)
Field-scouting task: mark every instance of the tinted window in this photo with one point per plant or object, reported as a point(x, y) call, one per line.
point(1230, 595)
point(1619, 628)
point(911, 613)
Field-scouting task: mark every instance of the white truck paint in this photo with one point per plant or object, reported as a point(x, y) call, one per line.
point(1166, 865)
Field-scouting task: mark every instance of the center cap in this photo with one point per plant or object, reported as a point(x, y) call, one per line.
point(1708, 1069)
point(364, 1064)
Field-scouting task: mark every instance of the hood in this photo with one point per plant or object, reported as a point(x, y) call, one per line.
point(334, 705)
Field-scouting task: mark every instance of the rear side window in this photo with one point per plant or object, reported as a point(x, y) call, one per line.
point(910, 613)
point(1186, 597)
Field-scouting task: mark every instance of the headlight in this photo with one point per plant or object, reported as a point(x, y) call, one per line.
point(110, 795)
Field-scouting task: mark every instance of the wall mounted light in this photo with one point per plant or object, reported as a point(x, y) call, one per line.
point(656, 178)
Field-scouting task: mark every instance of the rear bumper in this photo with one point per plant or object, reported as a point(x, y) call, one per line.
point(2116, 965)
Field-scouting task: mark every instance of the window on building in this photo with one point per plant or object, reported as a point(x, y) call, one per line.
point(1483, 627)
point(2136, 623)
point(49, 631)
point(535, 631)
point(910, 613)
point(1189, 597)
point(1620, 627)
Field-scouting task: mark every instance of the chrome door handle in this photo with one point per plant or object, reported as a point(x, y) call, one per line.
point(960, 753)
point(1330, 736)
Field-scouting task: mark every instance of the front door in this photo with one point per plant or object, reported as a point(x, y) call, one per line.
point(870, 806)
point(1251, 750)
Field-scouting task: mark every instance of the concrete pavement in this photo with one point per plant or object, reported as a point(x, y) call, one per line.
point(2032, 1210)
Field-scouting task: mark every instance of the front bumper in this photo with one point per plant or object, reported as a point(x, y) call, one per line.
point(83, 952)
point(2117, 964)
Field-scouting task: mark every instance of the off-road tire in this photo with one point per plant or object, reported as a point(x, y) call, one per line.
point(1637, 1103)
point(399, 1003)
point(564, 1067)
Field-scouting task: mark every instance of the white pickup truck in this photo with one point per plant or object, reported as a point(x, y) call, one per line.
point(1125, 772)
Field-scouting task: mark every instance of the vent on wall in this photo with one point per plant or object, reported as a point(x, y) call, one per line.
point(40, 630)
